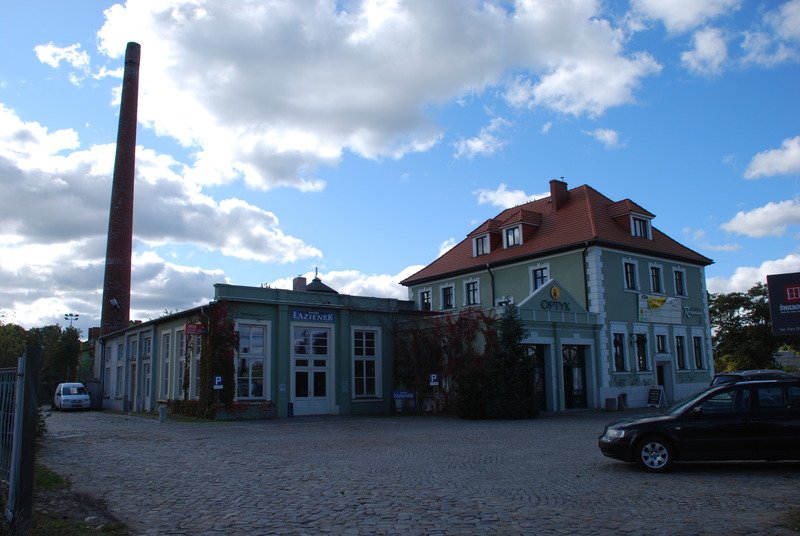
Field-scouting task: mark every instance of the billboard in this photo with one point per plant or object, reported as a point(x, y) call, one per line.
point(784, 303)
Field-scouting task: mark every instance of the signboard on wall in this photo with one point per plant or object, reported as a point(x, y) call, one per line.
point(659, 309)
point(784, 303)
point(305, 315)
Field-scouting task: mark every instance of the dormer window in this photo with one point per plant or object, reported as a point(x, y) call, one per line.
point(640, 227)
point(512, 237)
point(481, 246)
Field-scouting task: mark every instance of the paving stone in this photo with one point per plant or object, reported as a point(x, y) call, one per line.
point(401, 475)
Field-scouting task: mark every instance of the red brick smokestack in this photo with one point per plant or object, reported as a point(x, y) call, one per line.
point(116, 307)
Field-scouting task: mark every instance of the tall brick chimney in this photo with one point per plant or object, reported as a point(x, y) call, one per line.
point(116, 307)
point(558, 194)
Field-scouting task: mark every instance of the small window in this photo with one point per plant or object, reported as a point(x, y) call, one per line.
point(641, 351)
point(771, 397)
point(661, 344)
point(513, 237)
point(619, 352)
point(680, 351)
point(655, 279)
point(641, 227)
point(481, 246)
point(680, 287)
point(447, 298)
point(630, 276)
point(471, 293)
point(425, 300)
point(698, 353)
point(539, 276)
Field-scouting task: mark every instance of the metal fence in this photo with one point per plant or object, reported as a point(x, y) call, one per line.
point(8, 386)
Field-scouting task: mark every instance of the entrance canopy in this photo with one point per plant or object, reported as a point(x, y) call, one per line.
point(553, 303)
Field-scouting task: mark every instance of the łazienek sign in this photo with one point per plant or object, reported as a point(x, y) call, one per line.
point(302, 315)
point(784, 303)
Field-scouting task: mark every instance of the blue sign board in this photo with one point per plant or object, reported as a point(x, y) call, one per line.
point(402, 395)
point(217, 382)
point(434, 382)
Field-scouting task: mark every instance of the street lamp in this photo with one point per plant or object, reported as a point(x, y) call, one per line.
point(71, 317)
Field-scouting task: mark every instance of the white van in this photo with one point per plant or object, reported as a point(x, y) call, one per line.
point(71, 396)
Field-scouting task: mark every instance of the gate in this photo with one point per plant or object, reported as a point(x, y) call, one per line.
point(8, 388)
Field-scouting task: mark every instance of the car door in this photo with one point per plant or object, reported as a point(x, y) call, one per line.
point(719, 427)
point(777, 421)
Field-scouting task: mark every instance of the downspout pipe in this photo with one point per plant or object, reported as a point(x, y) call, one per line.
point(585, 276)
point(491, 277)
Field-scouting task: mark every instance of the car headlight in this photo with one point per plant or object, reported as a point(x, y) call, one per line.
point(615, 433)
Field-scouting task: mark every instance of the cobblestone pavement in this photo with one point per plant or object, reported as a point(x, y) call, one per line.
point(401, 475)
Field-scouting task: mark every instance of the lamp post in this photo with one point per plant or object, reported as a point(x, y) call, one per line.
point(71, 317)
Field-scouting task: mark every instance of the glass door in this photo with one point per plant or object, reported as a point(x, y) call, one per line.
point(310, 371)
point(574, 376)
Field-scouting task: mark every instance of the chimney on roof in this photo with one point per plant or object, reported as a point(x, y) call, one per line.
point(558, 193)
point(299, 283)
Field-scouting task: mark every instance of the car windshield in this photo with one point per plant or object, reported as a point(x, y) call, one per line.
point(75, 390)
point(681, 406)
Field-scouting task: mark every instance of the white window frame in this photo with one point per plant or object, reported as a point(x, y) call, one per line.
point(180, 360)
point(681, 271)
point(483, 239)
point(645, 227)
point(452, 287)
point(376, 358)
point(420, 303)
point(477, 283)
point(647, 354)
point(166, 353)
point(532, 269)
point(698, 334)
point(635, 264)
point(516, 230)
point(107, 382)
point(119, 387)
point(660, 268)
point(620, 329)
point(264, 356)
point(147, 346)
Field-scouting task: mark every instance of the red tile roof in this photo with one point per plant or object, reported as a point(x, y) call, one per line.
point(585, 217)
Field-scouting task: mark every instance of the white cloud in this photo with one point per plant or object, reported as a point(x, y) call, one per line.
point(486, 143)
point(783, 161)
point(546, 127)
point(776, 39)
point(502, 197)
point(54, 217)
point(608, 137)
point(709, 52)
point(745, 277)
point(362, 75)
point(683, 15)
point(770, 220)
point(446, 246)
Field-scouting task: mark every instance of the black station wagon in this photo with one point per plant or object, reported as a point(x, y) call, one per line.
point(751, 420)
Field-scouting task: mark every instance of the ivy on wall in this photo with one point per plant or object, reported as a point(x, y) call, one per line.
point(220, 341)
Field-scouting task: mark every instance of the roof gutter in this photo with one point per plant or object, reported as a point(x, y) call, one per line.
point(491, 277)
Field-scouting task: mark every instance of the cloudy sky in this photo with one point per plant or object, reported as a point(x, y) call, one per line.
point(363, 138)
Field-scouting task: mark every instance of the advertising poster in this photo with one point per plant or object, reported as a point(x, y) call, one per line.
point(784, 303)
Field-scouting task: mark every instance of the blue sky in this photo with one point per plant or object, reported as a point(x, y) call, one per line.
point(363, 138)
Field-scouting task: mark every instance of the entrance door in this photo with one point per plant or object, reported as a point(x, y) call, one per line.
point(133, 399)
point(146, 380)
point(574, 376)
point(310, 371)
point(536, 352)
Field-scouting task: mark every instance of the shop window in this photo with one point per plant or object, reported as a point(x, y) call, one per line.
point(250, 361)
point(680, 351)
point(619, 352)
point(366, 363)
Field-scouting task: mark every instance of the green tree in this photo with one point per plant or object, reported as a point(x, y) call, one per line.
point(12, 344)
point(512, 393)
point(742, 336)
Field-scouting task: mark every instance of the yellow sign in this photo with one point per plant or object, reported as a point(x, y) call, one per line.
point(555, 293)
point(655, 302)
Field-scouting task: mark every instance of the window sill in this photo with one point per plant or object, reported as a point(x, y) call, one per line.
point(368, 399)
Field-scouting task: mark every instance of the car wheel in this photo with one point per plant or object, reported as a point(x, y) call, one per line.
point(654, 454)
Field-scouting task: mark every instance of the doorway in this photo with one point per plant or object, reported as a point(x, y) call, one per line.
point(537, 353)
point(310, 371)
point(574, 366)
